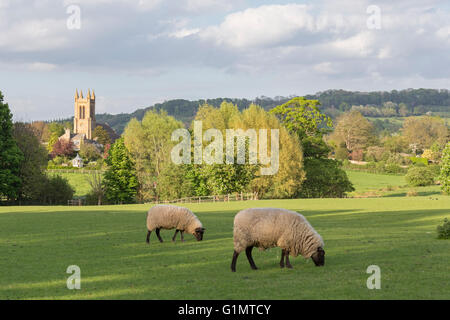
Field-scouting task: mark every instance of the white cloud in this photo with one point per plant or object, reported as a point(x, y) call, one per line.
point(184, 33)
point(34, 35)
point(262, 26)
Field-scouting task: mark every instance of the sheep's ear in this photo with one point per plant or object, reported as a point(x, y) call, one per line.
point(203, 229)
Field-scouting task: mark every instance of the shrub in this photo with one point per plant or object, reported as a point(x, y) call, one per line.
point(374, 153)
point(325, 179)
point(341, 153)
point(393, 168)
point(418, 161)
point(419, 176)
point(445, 170)
point(444, 230)
point(412, 193)
point(57, 190)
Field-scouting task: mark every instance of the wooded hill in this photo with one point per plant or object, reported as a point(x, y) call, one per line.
point(333, 102)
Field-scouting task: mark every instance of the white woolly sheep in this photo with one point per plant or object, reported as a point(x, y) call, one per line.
point(272, 227)
point(173, 217)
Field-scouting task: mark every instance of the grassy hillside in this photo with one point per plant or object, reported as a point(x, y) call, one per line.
point(37, 244)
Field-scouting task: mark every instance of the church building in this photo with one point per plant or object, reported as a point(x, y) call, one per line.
point(83, 122)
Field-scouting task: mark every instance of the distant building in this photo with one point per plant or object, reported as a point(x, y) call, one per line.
point(84, 122)
point(77, 162)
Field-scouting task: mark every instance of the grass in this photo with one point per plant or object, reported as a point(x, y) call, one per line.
point(366, 181)
point(368, 184)
point(78, 181)
point(37, 244)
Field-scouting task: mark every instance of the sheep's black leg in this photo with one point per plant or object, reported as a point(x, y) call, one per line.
point(288, 263)
point(148, 236)
point(182, 237)
point(282, 258)
point(233, 262)
point(175, 235)
point(157, 234)
point(248, 252)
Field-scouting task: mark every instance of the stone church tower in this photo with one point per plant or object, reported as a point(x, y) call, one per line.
point(84, 120)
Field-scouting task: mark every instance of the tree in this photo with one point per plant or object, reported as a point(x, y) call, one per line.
point(56, 128)
point(10, 155)
point(54, 138)
point(355, 130)
point(424, 131)
point(57, 190)
point(287, 182)
point(41, 130)
point(102, 135)
point(89, 152)
point(120, 179)
point(303, 118)
point(32, 167)
point(445, 170)
point(62, 148)
point(149, 142)
point(325, 179)
point(95, 180)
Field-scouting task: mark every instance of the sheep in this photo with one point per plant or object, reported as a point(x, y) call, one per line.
point(272, 227)
point(170, 217)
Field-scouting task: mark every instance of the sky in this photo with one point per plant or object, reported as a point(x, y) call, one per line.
point(135, 53)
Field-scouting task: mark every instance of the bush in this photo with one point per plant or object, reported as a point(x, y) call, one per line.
point(57, 190)
point(419, 161)
point(419, 176)
point(412, 193)
point(444, 230)
point(445, 170)
point(325, 179)
point(374, 153)
point(341, 153)
point(393, 168)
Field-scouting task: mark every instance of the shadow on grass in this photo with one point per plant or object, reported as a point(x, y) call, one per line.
point(419, 193)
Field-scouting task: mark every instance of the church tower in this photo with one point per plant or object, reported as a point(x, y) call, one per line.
point(84, 120)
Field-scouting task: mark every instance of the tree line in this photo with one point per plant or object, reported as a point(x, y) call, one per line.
point(333, 102)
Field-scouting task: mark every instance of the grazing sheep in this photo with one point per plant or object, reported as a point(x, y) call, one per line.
point(170, 217)
point(271, 227)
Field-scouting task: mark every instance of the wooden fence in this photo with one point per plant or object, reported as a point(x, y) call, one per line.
point(84, 171)
point(75, 202)
point(218, 198)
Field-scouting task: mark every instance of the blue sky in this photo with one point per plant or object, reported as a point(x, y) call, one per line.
point(135, 53)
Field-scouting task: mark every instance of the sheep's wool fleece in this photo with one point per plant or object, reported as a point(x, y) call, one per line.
point(170, 217)
point(272, 227)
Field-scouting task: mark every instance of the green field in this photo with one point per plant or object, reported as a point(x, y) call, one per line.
point(365, 181)
point(37, 244)
point(78, 181)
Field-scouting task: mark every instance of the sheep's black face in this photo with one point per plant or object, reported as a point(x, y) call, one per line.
point(198, 234)
point(319, 257)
